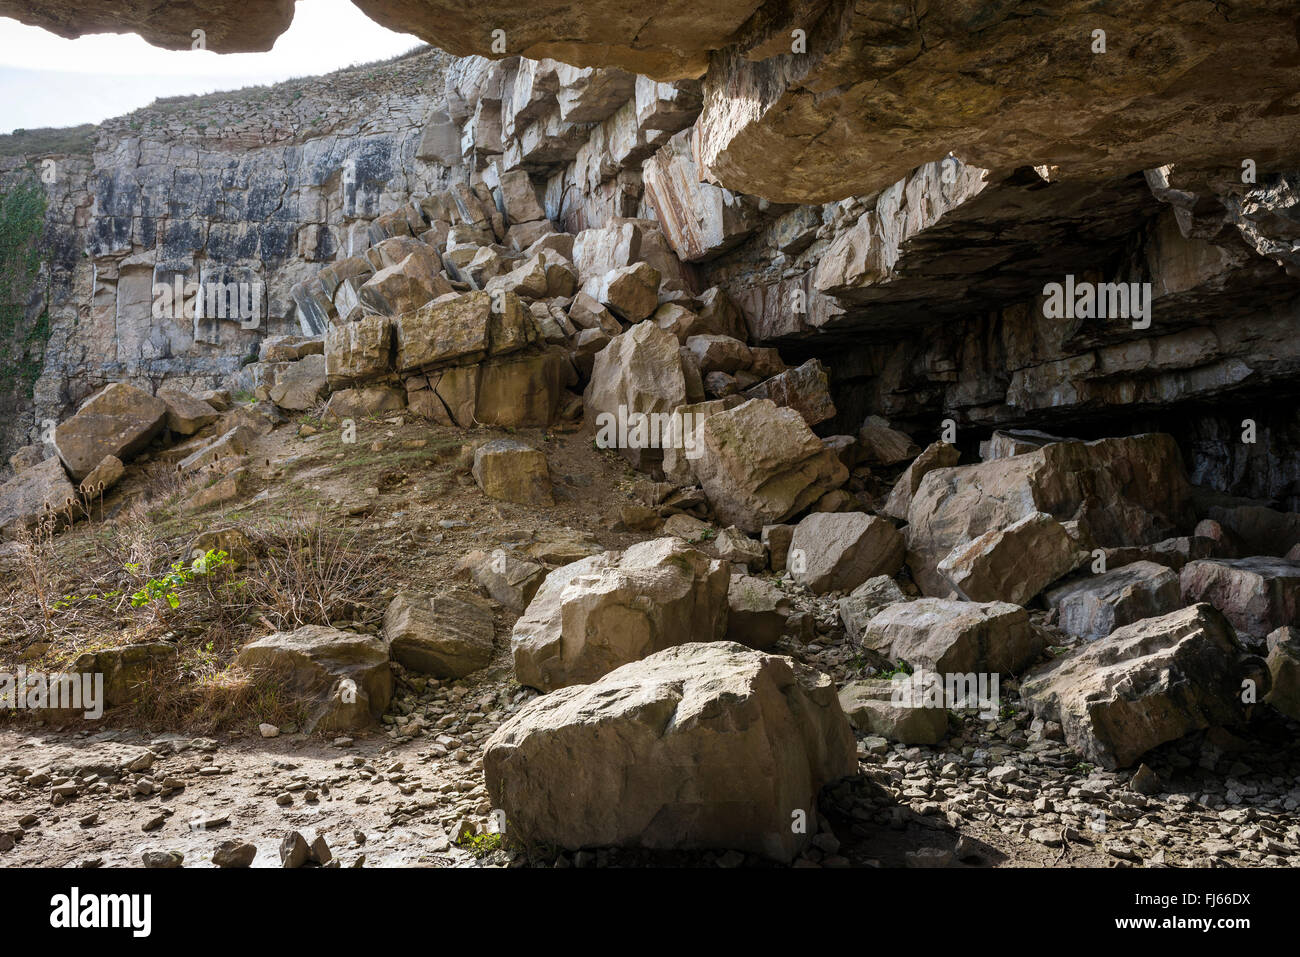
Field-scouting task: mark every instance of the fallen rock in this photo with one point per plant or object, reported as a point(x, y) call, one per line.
point(873, 707)
point(806, 389)
point(234, 854)
point(594, 615)
point(1144, 684)
point(127, 670)
point(860, 605)
point(757, 612)
point(882, 445)
point(185, 413)
point(636, 381)
point(300, 385)
point(733, 545)
point(103, 476)
point(955, 636)
point(708, 745)
point(937, 455)
point(344, 676)
point(759, 465)
point(119, 420)
point(838, 551)
point(1094, 606)
point(447, 635)
point(509, 580)
point(1012, 564)
point(509, 470)
point(1257, 595)
point(629, 292)
point(38, 491)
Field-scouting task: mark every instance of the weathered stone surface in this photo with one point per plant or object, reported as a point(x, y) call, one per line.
point(882, 445)
point(231, 444)
point(870, 708)
point(404, 286)
point(859, 606)
point(955, 636)
point(103, 476)
point(446, 635)
point(522, 390)
point(838, 551)
point(629, 292)
point(1260, 531)
point(1126, 491)
point(1144, 684)
point(363, 401)
point(359, 350)
point(513, 471)
point(599, 613)
point(1284, 670)
point(511, 581)
point(760, 465)
point(638, 374)
point(1012, 564)
point(1096, 605)
point(719, 353)
point(33, 494)
point(27, 456)
point(127, 670)
point(806, 389)
point(757, 611)
point(461, 329)
point(699, 746)
point(119, 420)
point(300, 385)
point(519, 198)
point(343, 676)
point(1257, 595)
point(937, 455)
point(185, 413)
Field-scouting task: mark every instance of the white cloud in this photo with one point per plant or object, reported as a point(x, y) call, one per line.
point(49, 81)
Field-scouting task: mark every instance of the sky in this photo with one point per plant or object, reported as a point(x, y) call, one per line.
point(103, 75)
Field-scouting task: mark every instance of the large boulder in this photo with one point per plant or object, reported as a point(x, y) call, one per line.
point(1094, 606)
point(838, 551)
point(596, 614)
point(461, 329)
point(343, 677)
point(360, 350)
point(698, 746)
point(300, 385)
point(1144, 684)
point(937, 455)
point(955, 637)
point(1014, 563)
point(118, 420)
point(36, 492)
point(128, 670)
point(1257, 595)
point(1127, 491)
point(857, 608)
point(405, 286)
point(510, 470)
point(874, 706)
point(637, 376)
point(186, 414)
point(759, 465)
point(510, 581)
point(757, 611)
point(805, 388)
point(447, 635)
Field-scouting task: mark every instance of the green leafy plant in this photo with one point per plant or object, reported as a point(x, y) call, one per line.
point(167, 587)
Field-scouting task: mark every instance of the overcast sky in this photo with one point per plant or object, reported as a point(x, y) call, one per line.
point(48, 81)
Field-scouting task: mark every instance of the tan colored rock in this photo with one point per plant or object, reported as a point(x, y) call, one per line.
point(1258, 595)
point(955, 636)
point(777, 539)
point(513, 472)
point(403, 287)
point(719, 353)
point(1096, 605)
point(638, 374)
point(760, 465)
point(524, 390)
point(630, 292)
point(118, 420)
point(357, 351)
point(859, 606)
point(300, 385)
point(838, 551)
point(27, 456)
point(129, 670)
point(451, 329)
point(342, 677)
point(446, 635)
point(750, 739)
point(364, 401)
point(757, 611)
point(103, 476)
point(881, 445)
point(33, 494)
point(594, 615)
point(937, 455)
point(1012, 564)
point(1153, 681)
point(733, 545)
point(510, 581)
point(1284, 670)
point(806, 389)
point(519, 198)
point(870, 707)
point(231, 444)
point(185, 413)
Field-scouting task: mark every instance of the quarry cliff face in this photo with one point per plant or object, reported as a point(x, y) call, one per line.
point(1102, 276)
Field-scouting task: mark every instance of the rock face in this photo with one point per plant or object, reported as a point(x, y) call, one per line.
point(760, 465)
point(1093, 607)
point(343, 676)
point(954, 636)
point(594, 615)
point(703, 745)
point(1128, 491)
point(1257, 595)
point(838, 551)
point(120, 421)
point(1146, 683)
point(1012, 564)
point(446, 636)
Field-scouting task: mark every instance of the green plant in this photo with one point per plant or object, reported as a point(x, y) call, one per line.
point(167, 587)
point(22, 335)
point(901, 668)
point(481, 845)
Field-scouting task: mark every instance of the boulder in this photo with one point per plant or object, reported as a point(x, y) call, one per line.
point(509, 470)
point(679, 456)
point(103, 476)
point(629, 292)
point(462, 329)
point(1153, 681)
point(1259, 530)
point(510, 581)
point(882, 445)
point(519, 198)
point(119, 420)
point(872, 707)
point(733, 545)
point(955, 636)
point(759, 465)
point(838, 551)
point(1127, 491)
point(27, 456)
point(231, 444)
point(937, 455)
point(806, 389)
point(366, 400)
point(777, 539)
point(1284, 670)
point(1094, 606)
point(447, 635)
point(757, 611)
point(186, 414)
point(1257, 594)
point(596, 614)
point(1012, 564)
point(27, 498)
point(699, 746)
point(719, 353)
point(300, 385)
point(637, 375)
point(523, 390)
point(343, 677)
point(128, 670)
point(404, 287)
point(359, 350)
point(859, 606)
